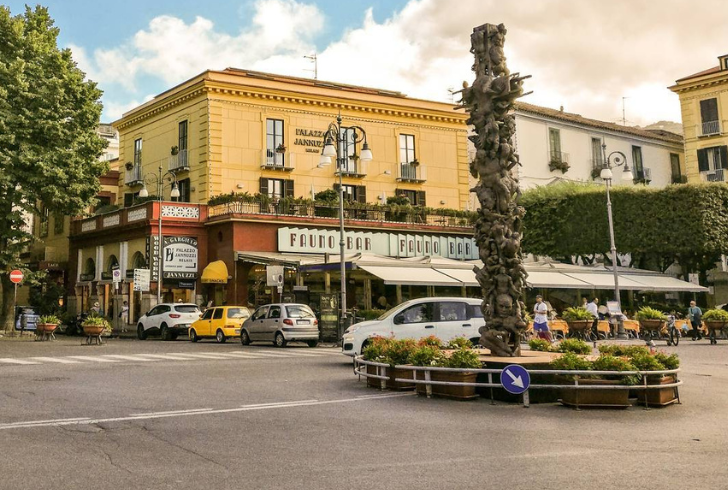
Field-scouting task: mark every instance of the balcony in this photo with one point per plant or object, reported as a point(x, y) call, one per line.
point(710, 128)
point(133, 175)
point(354, 168)
point(643, 176)
point(179, 162)
point(411, 172)
point(597, 165)
point(716, 175)
point(558, 160)
point(274, 160)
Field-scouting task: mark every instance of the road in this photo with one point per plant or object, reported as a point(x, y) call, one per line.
point(158, 415)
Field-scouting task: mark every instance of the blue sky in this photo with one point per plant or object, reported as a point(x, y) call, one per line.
point(585, 56)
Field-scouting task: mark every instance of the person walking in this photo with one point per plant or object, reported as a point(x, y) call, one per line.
point(593, 308)
point(541, 319)
point(695, 315)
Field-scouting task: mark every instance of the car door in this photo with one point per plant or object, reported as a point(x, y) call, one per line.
point(414, 322)
point(273, 323)
point(453, 320)
point(217, 321)
point(152, 319)
point(202, 326)
point(257, 322)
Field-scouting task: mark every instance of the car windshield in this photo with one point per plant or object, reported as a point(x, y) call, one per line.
point(388, 312)
point(187, 308)
point(299, 311)
point(238, 313)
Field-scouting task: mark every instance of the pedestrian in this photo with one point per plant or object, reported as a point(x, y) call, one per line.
point(382, 302)
point(541, 319)
point(96, 309)
point(695, 315)
point(124, 315)
point(593, 308)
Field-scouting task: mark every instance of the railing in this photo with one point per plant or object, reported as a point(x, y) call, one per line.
point(179, 161)
point(134, 175)
point(354, 168)
point(409, 172)
point(558, 160)
point(644, 175)
point(716, 175)
point(382, 374)
point(380, 214)
point(710, 127)
point(273, 160)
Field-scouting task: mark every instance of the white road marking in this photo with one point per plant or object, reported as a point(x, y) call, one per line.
point(92, 359)
point(17, 361)
point(160, 415)
point(130, 358)
point(170, 412)
point(205, 356)
point(170, 357)
point(60, 360)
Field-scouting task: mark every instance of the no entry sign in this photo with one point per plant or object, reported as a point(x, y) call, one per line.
point(16, 276)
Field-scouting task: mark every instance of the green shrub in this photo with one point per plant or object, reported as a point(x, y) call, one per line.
point(376, 350)
point(431, 341)
point(671, 361)
point(606, 362)
point(52, 319)
point(398, 351)
point(574, 345)
point(571, 362)
point(540, 345)
point(576, 313)
point(623, 350)
point(715, 315)
point(425, 355)
point(462, 359)
point(460, 343)
point(327, 196)
point(647, 313)
point(647, 362)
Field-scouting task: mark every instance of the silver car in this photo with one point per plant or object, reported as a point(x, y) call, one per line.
point(281, 323)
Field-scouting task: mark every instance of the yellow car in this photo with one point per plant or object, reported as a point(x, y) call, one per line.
point(219, 322)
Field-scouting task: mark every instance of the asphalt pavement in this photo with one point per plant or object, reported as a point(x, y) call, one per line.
point(158, 415)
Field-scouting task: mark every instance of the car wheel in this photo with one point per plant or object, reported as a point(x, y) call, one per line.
point(280, 340)
point(164, 333)
point(364, 345)
point(244, 338)
point(141, 334)
point(220, 337)
point(193, 336)
point(312, 343)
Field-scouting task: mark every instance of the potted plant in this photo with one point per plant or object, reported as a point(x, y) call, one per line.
point(281, 148)
point(174, 150)
point(541, 345)
point(596, 397)
point(657, 362)
point(458, 355)
point(375, 351)
point(96, 326)
point(46, 325)
point(715, 320)
point(415, 163)
point(575, 346)
point(650, 319)
point(392, 352)
point(578, 319)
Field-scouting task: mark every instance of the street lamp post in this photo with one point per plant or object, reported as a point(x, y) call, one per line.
point(613, 160)
point(174, 193)
point(333, 139)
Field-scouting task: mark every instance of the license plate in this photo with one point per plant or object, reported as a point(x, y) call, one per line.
point(303, 322)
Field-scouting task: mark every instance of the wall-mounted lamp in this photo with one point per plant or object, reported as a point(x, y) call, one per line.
point(442, 201)
point(240, 186)
point(387, 172)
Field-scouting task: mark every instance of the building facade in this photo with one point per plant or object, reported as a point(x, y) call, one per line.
point(704, 105)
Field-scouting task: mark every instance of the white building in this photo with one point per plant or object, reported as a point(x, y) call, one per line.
point(111, 135)
point(554, 145)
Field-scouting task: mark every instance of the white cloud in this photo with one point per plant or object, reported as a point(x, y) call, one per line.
point(583, 55)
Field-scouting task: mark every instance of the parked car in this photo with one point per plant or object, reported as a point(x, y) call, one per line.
point(445, 318)
point(167, 320)
point(220, 322)
point(281, 323)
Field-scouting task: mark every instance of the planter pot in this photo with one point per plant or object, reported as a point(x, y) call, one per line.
point(715, 327)
point(393, 373)
point(454, 392)
point(92, 330)
point(46, 327)
point(596, 398)
point(661, 397)
point(652, 325)
point(579, 326)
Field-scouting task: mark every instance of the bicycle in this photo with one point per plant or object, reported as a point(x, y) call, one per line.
point(671, 333)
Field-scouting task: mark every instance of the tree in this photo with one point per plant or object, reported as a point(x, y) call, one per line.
point(49, 148)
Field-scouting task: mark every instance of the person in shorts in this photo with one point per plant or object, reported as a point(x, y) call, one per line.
point(541, 319)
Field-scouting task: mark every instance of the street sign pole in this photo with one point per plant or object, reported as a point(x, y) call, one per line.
point(16, 277)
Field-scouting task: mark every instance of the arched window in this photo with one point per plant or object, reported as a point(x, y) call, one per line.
point(113, 263)
point(138, 261)
point(90, 267)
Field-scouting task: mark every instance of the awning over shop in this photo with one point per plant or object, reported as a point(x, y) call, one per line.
point(665, 283)
point(600, 280)
point(410, 276)
point(555, 280)
point(215, 273)
point(465, 276)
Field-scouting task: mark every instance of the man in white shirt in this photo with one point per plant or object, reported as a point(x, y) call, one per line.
point(540, 319)
point(593, 308)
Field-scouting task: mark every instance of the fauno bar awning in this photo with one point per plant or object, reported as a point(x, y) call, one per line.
point(555, 280)
point(411, 276)
point(664, 283)
point(600, 280)
point(215, 273)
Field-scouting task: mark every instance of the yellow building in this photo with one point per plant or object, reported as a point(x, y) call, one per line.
point(243, 131)
point(704, 107)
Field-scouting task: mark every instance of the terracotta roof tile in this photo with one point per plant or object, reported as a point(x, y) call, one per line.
point(715, 69)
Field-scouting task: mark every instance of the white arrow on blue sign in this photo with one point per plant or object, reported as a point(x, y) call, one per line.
point(515, 379)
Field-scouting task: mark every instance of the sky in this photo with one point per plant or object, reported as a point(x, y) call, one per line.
point(591, 57)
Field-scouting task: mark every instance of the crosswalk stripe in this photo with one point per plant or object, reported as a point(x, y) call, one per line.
point(168, 357)
point(130, 358)
point(59, 360)
point(92, 359)
point(17, 361)
point(207, 356)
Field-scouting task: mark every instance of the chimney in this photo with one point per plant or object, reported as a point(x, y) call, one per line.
point(561, 108)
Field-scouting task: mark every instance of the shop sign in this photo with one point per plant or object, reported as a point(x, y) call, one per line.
point(87, 277)
point(187, 284)
point(141, 279)
point(312, 139)
point(180, 256)
point(303, 240)
point(106, 276)
point(153, 255)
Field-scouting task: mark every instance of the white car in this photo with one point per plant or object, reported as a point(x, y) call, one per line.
point(445, 318)
point(168, 320)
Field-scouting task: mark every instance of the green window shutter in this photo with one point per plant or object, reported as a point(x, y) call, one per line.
point(723, 157)
point(420, 198)
point(288, 188)
point(703, 165)
point(709, 110)
point(361, 194)
point(128, 200)
point(264, 186)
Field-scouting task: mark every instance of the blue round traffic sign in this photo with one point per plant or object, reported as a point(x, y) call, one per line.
point(515, 379)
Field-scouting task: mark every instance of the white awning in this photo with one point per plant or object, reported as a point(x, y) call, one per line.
point(411, 276)
point(557, 280)
point(664, 283)
point(465, 276)
point(600, 280)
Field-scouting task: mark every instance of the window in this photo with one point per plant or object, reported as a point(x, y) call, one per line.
point(218, 314)
point(555, 144)
point(299, 311)
point(274, 140)
point(406, 148)
point(184, 190)
point(709, 116)
point(129, 198)
point(415, 314)
point(416, 198)
point(238, 313)
point(276, 188)
point(182, 144)
point(677, 175)
point(59, 222)
point(43, 222)
point(452, 311)
point(208, 314)
point(474, 311)
point(260, 313)
point(637, 160)
point(138, 151)
point(347, 148)
point(354, 193)
point(713, 158)
point(597, 155)
point(275, 312)
point(186, 309)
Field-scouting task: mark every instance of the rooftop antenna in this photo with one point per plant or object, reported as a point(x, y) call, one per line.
point(624, 118)
point(314, 59)
point(451, 90)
